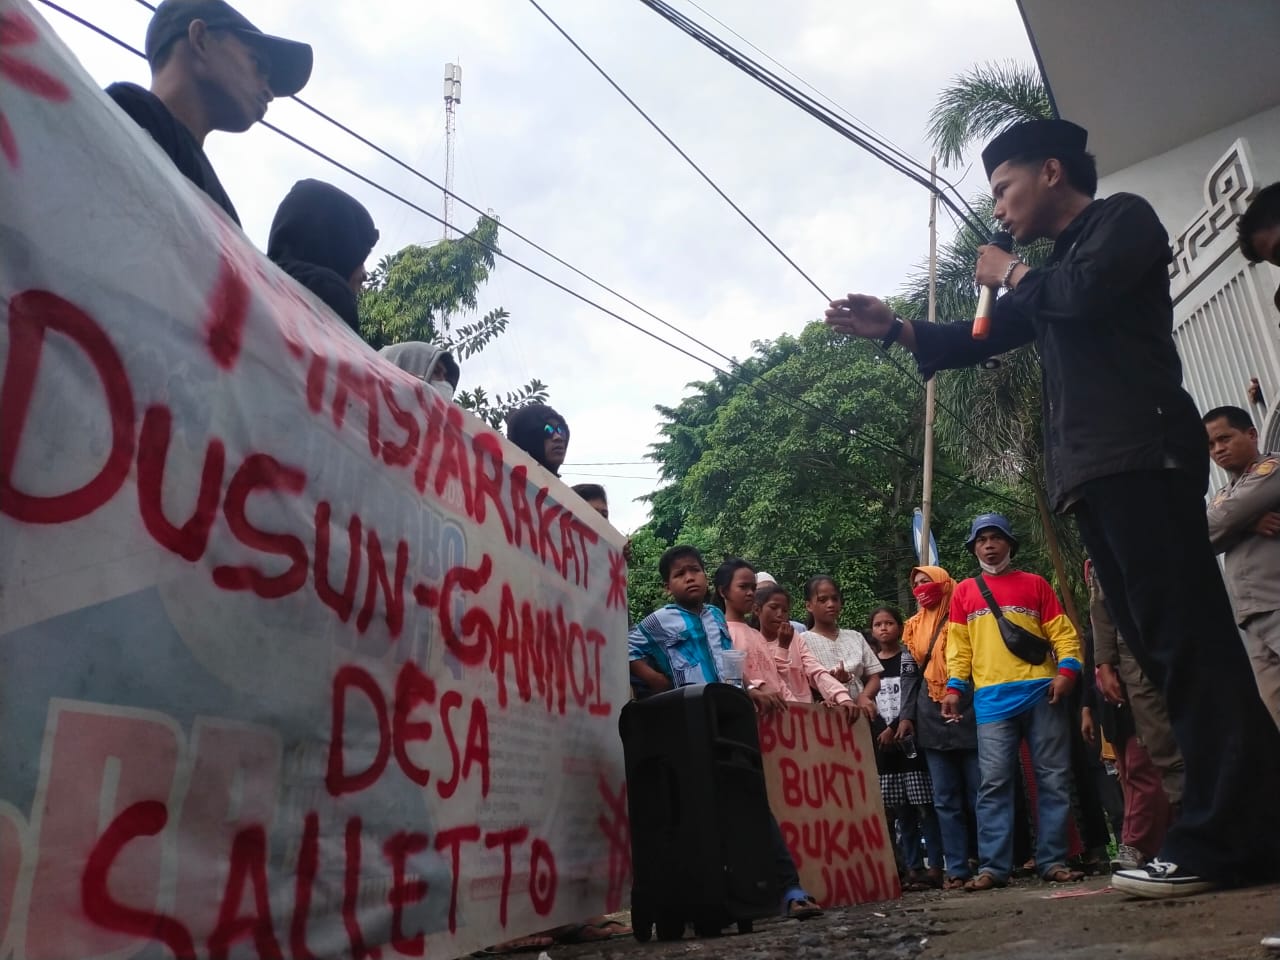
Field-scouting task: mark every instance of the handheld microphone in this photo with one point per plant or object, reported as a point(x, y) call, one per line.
point(987, 299)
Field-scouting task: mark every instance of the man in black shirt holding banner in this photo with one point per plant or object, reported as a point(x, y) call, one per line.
point(1125, 453)
point(211, 69)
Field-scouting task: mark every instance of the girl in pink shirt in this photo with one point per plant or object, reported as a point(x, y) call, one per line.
point(735, 589)
point(794, 662)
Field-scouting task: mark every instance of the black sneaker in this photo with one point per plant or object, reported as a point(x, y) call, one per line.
point(1159, 880)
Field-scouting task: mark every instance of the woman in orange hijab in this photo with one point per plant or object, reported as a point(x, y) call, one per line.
point(950, 748)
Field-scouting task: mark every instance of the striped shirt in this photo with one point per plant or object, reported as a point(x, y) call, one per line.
point(683, 644)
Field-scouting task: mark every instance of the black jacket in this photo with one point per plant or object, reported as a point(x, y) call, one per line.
point(932, 730)
point(332, 290)
point(319, 236)
point(1101, 317)
point(150, 113)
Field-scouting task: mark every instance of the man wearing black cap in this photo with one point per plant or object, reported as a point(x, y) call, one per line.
point(211, 69)
point(1123, 452)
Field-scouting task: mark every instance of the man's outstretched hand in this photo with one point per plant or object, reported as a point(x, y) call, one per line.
point(859, 315)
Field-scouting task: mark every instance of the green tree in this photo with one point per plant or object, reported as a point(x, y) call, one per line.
point(684, 441)
point(751, 474)
point(417, 292)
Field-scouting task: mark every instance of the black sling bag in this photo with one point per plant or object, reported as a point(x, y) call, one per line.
point(1022, 643)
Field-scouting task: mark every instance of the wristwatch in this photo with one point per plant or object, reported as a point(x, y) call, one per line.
point(895, 331)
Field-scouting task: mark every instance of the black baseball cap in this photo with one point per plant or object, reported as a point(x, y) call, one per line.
point(289, 61)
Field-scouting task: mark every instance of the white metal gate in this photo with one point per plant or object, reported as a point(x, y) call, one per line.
point(1224, 323)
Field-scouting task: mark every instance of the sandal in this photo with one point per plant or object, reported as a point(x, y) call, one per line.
point(984, 881)
point(591, 932)
point(953, 883)
point(913, 882)
point(802, 908)
point(1061, 874)
point(538, 941)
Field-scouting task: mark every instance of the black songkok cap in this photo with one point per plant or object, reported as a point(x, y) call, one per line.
point(1052, 138)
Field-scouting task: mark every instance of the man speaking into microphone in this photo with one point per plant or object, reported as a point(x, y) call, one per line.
point(1124, 452)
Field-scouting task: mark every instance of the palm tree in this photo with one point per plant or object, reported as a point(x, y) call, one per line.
point(984, 101)
point(1001, 436)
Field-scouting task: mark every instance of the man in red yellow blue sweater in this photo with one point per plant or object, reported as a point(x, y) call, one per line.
point(1014, 699)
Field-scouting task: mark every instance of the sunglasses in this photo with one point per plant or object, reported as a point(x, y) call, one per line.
point(556, 430)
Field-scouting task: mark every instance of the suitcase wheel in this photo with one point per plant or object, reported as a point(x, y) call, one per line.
point(707, 927)
point(671, 927)
point(641, 926)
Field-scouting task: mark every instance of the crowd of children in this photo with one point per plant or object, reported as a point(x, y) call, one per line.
point(972, 704)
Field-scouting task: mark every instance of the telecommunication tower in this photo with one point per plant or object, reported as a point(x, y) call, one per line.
point(452, 97)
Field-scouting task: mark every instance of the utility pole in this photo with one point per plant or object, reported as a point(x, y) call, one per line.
point(452, 97)
point(930, 389)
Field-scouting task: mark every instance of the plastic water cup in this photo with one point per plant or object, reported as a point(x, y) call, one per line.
point(732, 662)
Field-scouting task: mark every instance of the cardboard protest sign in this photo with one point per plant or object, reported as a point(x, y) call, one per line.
point(296, 659)
point(825, 792)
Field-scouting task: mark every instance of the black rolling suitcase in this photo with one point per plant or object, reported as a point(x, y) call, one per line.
point(700, 833)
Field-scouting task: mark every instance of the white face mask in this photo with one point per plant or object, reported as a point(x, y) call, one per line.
point(996, 570)
point(444, 388)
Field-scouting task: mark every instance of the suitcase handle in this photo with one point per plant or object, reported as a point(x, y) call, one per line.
point(742, 754)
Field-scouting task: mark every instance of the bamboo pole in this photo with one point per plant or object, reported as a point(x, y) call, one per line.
point(930, 388)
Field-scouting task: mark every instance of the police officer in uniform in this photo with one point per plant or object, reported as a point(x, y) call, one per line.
point(1244, 524)
point(1125, 454)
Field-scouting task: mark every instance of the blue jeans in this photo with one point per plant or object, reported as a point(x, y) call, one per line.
point(955, 778)
point(1048, 736)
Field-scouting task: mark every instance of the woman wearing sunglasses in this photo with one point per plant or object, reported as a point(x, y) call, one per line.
point(541, 433)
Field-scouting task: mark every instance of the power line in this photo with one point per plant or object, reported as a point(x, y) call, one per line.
point(863, 137)
point(607, 476)
point(759, 384)
point(852, 117)
point(616, 462)
point(676, 147)
point(799, 79)
point(952, 212)
point(355, 135)
point(952, 209)
point(599, 284)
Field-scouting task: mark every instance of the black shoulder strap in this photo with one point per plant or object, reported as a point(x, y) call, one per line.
point(933, 642)
point(986, 595)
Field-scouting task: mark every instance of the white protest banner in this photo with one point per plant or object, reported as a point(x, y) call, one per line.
point(825, 792)
point(296, 659)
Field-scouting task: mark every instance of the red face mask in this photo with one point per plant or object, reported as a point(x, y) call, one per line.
point(929, 594)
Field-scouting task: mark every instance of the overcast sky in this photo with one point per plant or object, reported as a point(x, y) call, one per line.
point(558, 155)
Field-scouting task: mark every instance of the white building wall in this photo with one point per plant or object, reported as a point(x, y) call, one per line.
point(1225, 324)
point(1173, 182)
